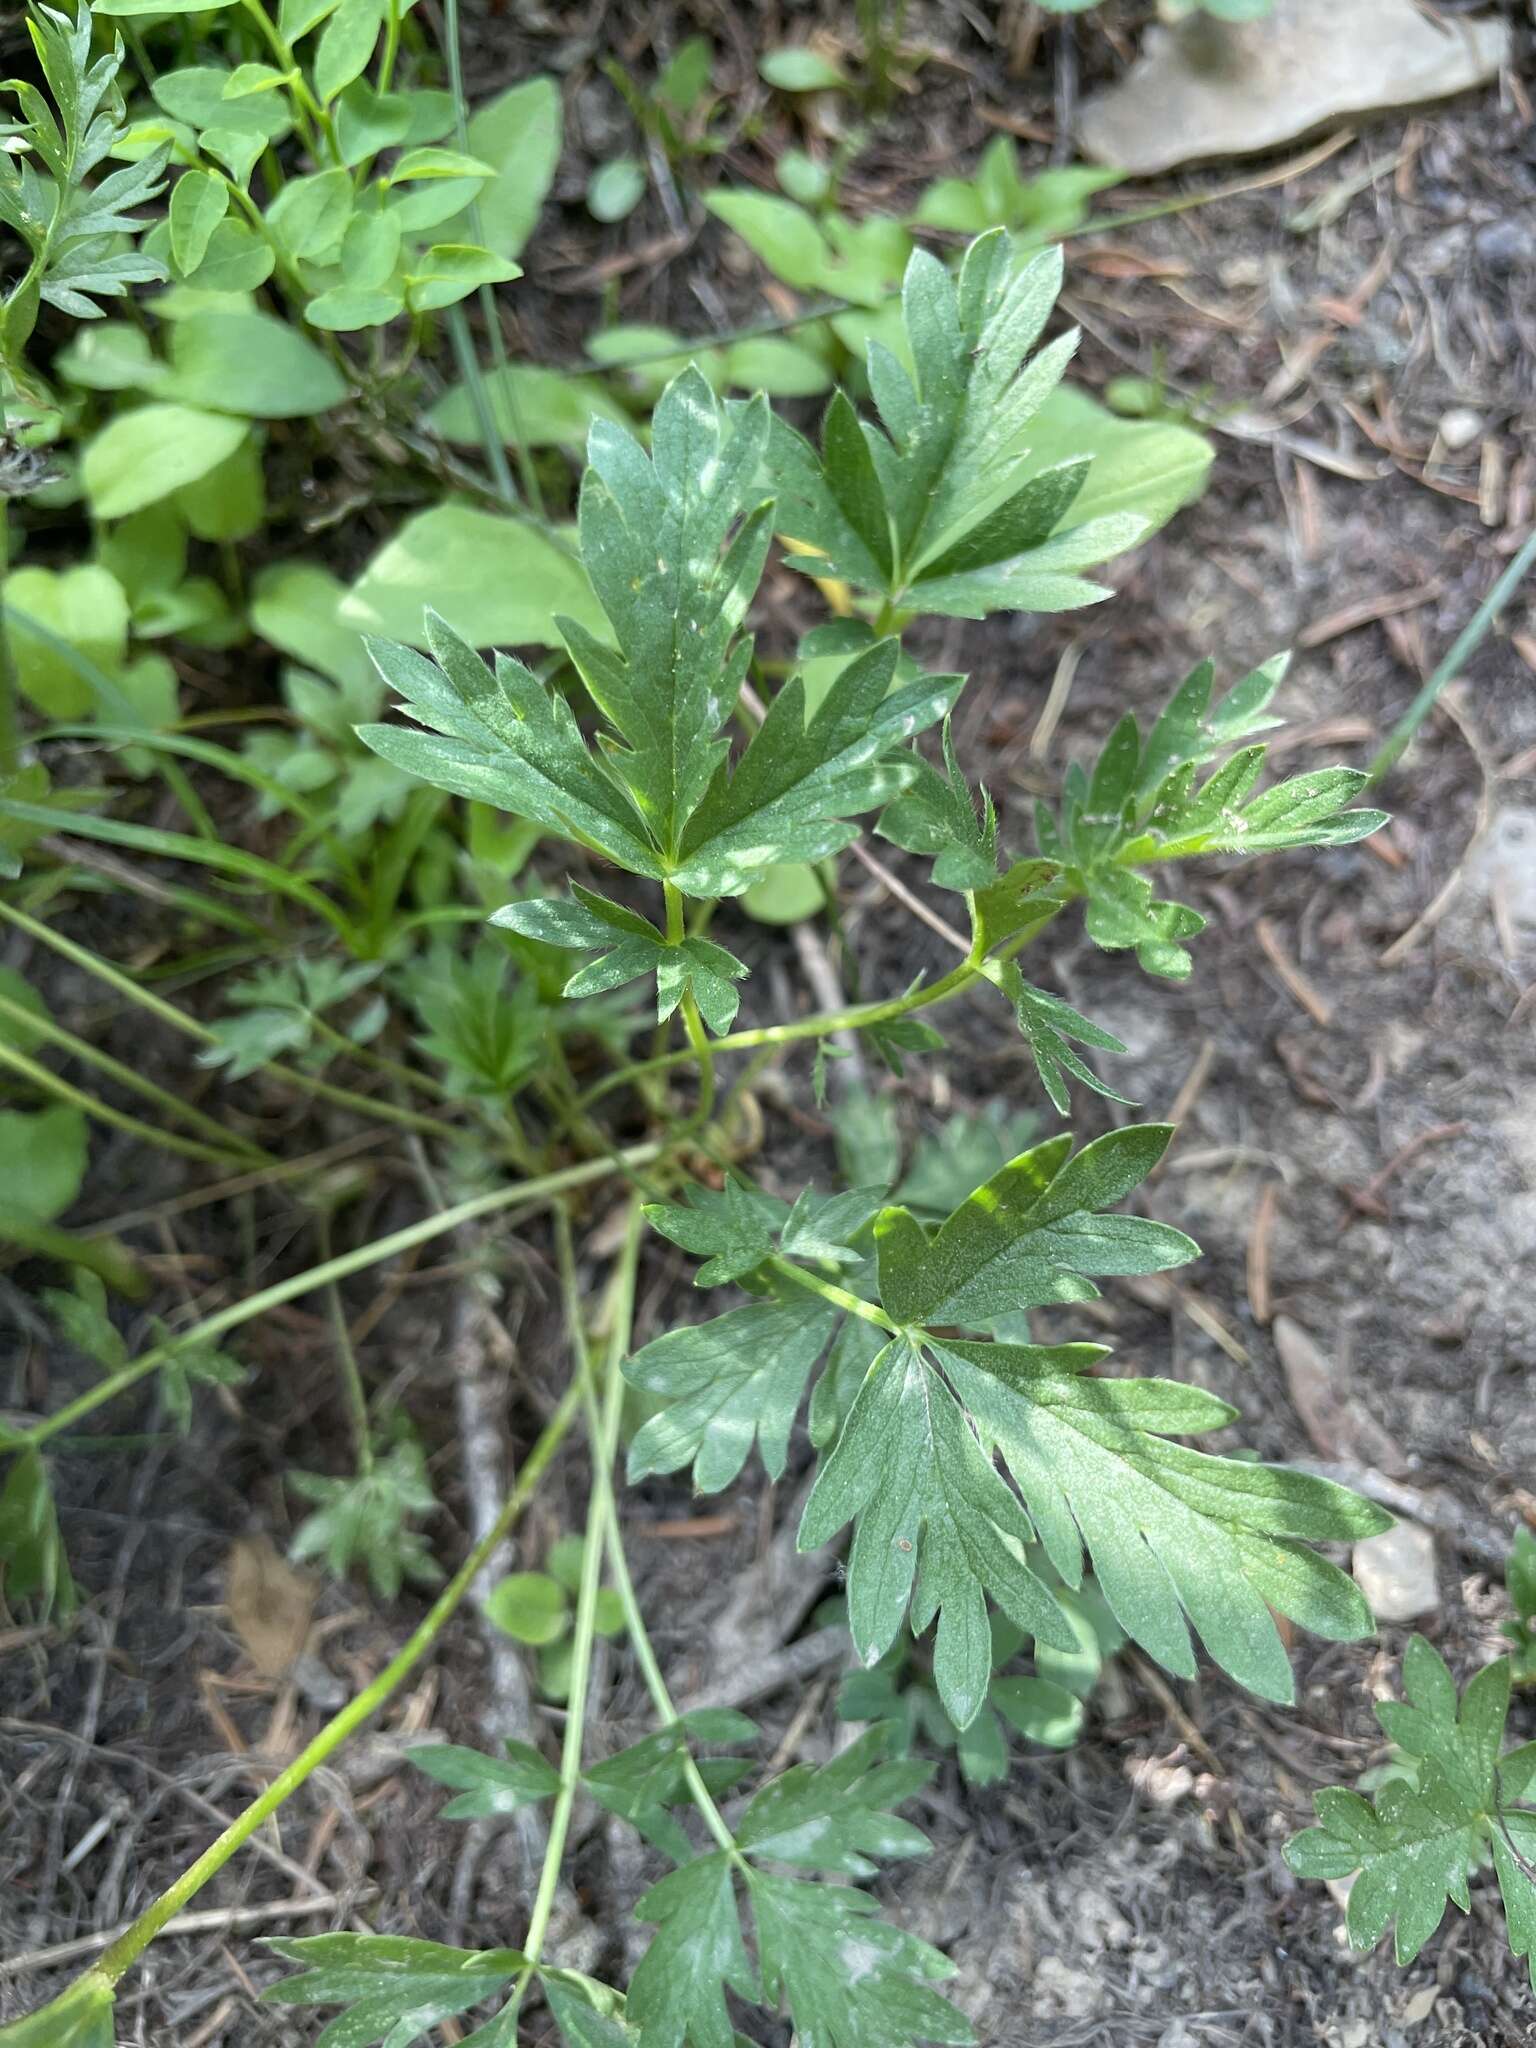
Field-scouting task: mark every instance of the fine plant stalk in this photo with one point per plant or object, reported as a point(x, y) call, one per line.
point(603, 1425)
point(42, 1077)
point(79, 1048)
point(190, 1027)
point(10, 693)
point(1460, 651)
point(605, 1507)
point(531, 1193)
point(346, 1358)
point(126, 1950)
point(822, 1025)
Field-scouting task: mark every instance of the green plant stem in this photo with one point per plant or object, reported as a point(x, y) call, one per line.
point(189, 1027)
point(309, 108)
point(55, 1034)
point(703, 1051)
point(605, 1506)
point(531, 1193)
point(820, 1026)
point(126, 1950)
point(700, 1047)
point(346, 1358)
point(830, 1291)
point(391, 46)
point(381, 1063)
point(1461, 650)
point(603, 1424)
point(65, 1091)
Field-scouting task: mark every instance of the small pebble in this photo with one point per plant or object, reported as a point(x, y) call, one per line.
point(1396, 1573)
point(1504, 245)
point(1460, 427)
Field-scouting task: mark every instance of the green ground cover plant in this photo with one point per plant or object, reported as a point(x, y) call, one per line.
point(399, 956)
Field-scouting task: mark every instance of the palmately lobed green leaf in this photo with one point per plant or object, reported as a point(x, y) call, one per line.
point(800, 781)
point(849, 1979)
point(834, 1816)
point(727, 1383)
point(677, 1993)
point(507, 740)
point(656, 541)
point(395, 1989)
point(932, 1515)
point(1412, 1849)
point(941, 508)
point(1033, 1234)
point(1145, 802)
point(1169, 1531)
point(489, 1786)
point(733, 1228)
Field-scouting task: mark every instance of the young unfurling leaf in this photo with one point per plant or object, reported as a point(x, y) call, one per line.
point(937, 816)
point(1048, 1024)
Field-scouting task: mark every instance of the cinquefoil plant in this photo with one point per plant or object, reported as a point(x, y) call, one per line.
point(979, 1474)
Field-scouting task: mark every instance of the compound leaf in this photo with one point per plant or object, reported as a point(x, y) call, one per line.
point(835, 1816)
point(678, 1991)
point(727, 1382)
point(732, 1229)
point(654, 534)
point(800, 780)
point(640, 1783)
point(507, 740)
point(1032, 1234)
point(1169, 1531)
point(850, 1979)
point(633, 947)
point(1413, 1847)
point(929, 1512)
point(488, 1786)
point(939, 512)
point(396, 1990)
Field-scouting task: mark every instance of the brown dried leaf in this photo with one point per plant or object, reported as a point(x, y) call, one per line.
point(270, 1603)
point(1337, 1424)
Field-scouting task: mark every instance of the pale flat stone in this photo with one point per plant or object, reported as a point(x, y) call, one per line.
point(1396, 1573)
point(1217, 89)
